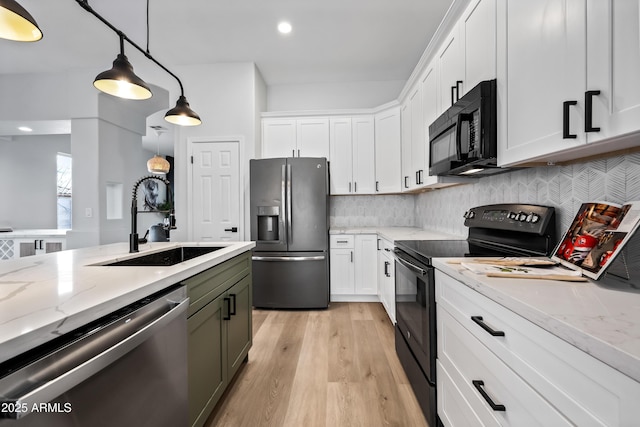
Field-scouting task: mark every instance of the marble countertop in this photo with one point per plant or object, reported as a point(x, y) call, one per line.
point(33, 233)
point(45, 296)
point(397, 233)
point(601, 320)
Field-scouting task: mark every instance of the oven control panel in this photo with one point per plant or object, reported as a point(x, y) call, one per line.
point(534, 219)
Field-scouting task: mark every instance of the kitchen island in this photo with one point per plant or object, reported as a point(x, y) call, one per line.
point(45, 296)
point(560, 353)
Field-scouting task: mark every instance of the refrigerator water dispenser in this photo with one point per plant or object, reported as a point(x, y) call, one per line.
point(268, 220)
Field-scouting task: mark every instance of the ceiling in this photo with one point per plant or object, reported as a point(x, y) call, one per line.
point(331, 41)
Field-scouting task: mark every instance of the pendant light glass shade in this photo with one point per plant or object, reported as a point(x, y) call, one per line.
point(121, 81)
point(182, 114)
point(17, 24)
point(158, 164)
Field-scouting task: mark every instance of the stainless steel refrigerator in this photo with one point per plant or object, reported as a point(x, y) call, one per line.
point(290, 225)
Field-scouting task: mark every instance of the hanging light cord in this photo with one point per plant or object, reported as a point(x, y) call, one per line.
point(85, 5)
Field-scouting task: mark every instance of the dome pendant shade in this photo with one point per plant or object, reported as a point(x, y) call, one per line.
point(121, 81)
point(158, 164)
point(182, 114)
point(17, 24)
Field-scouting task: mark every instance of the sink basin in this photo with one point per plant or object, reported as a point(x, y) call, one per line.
point(167, 257)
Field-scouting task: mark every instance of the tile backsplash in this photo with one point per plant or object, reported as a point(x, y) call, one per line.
point(372, 211)
point(615, 179)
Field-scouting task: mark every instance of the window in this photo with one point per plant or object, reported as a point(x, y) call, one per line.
point(64, 190)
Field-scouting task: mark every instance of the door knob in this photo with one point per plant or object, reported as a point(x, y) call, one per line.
point(232, 229)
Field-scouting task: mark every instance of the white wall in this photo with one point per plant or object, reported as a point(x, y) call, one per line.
point(329, 96)
point(224, 96)
point(28, 172)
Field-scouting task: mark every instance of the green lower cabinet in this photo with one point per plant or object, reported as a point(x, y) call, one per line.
point(220, 332)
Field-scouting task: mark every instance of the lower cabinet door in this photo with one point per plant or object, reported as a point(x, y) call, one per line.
point(238, 324)
point(207, 376)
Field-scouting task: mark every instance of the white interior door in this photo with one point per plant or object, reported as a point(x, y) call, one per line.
point(216, 191)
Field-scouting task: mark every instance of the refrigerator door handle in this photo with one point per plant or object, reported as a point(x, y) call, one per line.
point(283, 189)
point(288, 258)
point(289, 210)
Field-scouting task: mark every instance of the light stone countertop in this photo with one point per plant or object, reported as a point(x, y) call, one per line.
point(397, 233)
point(33, 233)
point(45, 296)
point(601, 320)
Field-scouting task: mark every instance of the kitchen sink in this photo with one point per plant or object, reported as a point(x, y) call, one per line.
point(167, 257)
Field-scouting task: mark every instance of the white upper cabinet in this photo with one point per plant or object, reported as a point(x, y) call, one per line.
point(408, 179)
point(450, 63)
point(312, 137)
point(353, 155)
point(364, 152)
point(613, 67)
point(418, 143)
point(429, 92)
point(295, 137)
point(541, 70)
point(568, 82)
point(387, 151)
point(278, 137)
point(478, 33)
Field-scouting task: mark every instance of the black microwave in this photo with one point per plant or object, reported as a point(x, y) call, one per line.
point(463, 140)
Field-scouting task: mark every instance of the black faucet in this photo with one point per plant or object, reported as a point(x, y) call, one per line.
point(171, 224)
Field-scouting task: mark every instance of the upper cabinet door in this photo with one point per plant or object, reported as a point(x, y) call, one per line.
point(450, 59)
point(278, 138)
point(408, 178)
point(341, 162)
point(387, 151)
point(364, 160)
point(613, 67)
point(313, 138)
point(478, 33)
point(541, 73)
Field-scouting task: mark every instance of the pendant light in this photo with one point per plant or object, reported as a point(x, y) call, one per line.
point(17, 24)
point(111, 81)
point(158, 164)
point(120, 80)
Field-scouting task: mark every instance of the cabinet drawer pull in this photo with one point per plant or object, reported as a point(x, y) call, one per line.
point(453, 90)
point(342, 241)
point(228, 315)
point(493, 332)
point(377, 186)
point(351, 256)
point(386, 268)
point(588, 111)
point(378, 244)
point(566, 105)
point(478, 384)
point(232, 312)
point(405, 182)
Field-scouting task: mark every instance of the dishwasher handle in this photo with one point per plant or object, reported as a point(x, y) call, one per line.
point(52, 386)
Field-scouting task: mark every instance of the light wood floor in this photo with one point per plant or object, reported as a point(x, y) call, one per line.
point(334, 367)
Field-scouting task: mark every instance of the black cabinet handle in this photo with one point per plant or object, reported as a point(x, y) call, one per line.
point(355, 187)
point(349, 187)
point(588, 111)
point(405, 182)
point(493, 332)
point(565, 120)
point(421, 176)
point(417, 177)
point(386, 268)
point(351, 256)
point(453, 89)
point(378, 244)
point(232, 229)
point(228, 316)
point(232, 312)
point(478, 384)
point(458, 83)
point(377, 189)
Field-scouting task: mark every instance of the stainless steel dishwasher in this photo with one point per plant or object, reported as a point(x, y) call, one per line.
point(126, 369)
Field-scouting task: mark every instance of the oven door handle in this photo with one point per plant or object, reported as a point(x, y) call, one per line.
point(411, 266)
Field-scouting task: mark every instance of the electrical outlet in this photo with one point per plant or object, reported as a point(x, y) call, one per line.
point(88, 212)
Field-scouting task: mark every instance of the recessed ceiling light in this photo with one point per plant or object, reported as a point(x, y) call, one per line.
point(284, 27)
point(25, 129)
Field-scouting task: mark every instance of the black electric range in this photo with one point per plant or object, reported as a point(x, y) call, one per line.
point(494, 230)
